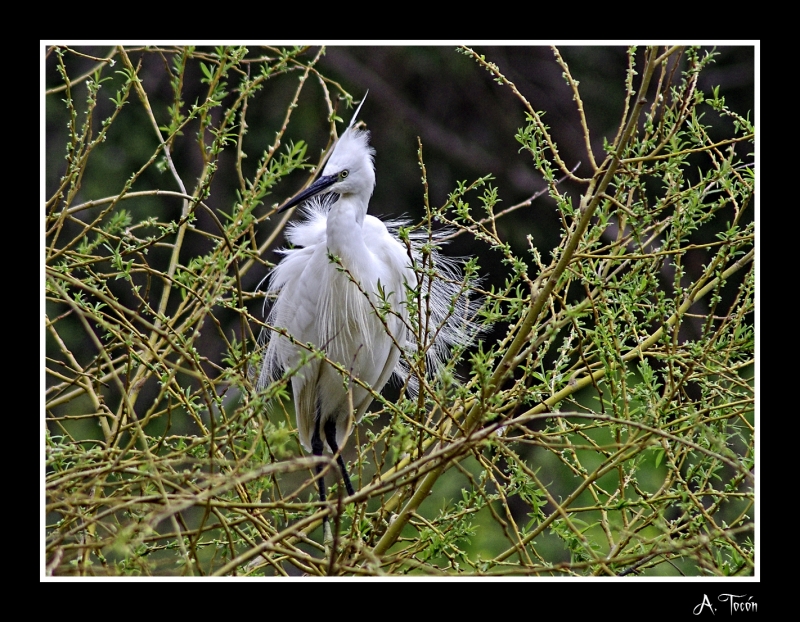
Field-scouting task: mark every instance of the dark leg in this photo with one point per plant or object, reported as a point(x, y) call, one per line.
point(330, 436)
point(316, 449)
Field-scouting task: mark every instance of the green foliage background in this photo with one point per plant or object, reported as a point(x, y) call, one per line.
point(603, 426)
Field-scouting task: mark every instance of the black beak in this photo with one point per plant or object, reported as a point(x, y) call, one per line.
point(318, 186)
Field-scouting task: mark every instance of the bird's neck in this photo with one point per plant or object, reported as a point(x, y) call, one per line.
point(345, 235)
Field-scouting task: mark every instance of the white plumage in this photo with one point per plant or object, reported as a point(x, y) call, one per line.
point(345, 288)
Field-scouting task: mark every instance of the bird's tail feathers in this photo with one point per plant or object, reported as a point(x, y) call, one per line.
point(447, 309)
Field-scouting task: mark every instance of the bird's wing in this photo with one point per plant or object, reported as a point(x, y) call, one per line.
point(396, 276)
point(295, 311)
point(283, 279)
point(450, 303)
point(305, 389)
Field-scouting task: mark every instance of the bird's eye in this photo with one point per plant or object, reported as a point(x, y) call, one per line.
point(344, 174)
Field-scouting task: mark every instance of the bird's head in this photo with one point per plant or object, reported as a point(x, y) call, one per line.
point(350, 170)
point(351, 167)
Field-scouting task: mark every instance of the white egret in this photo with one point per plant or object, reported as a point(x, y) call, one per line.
point(347, 288)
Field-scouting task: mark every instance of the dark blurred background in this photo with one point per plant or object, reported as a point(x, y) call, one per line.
point(465, 120)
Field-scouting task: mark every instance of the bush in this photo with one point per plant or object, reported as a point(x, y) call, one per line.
point(603, 425)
